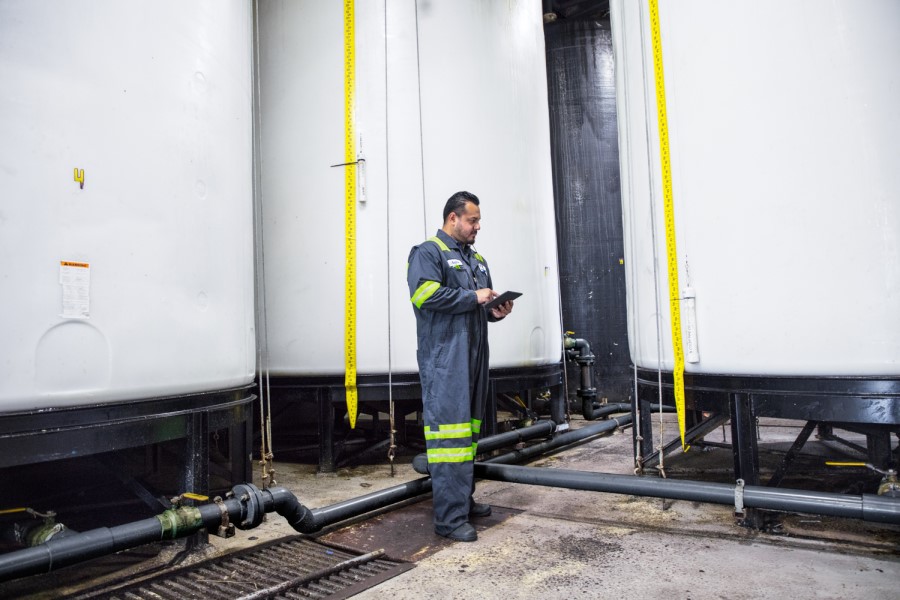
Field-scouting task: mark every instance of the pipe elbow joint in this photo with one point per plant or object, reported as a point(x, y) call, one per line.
point(288, 506)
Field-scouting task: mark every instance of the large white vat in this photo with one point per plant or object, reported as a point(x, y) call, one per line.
point(151, 103)
point(450, 95)
point(785, 151)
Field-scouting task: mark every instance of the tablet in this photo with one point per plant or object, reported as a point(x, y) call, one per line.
point(502, 299)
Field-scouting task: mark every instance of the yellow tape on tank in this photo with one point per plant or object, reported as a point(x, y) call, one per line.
point(350, 210)
point(669, 209)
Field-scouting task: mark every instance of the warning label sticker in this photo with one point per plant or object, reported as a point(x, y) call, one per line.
point(75, 279)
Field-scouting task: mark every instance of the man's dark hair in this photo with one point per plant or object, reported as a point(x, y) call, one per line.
point(457, 203)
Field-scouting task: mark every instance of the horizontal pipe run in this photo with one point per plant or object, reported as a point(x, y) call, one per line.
point(866, 506)
point(539, 429)
point(245, 509)
point(564, 439)
point(79, 547)
point(572, 436)
point(357, 506)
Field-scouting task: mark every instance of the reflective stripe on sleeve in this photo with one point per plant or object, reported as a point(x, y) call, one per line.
point(425, 291)
point(476, 426)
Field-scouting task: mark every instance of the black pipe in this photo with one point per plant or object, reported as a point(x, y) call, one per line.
point(245, 509)
point(563, 439)
point(866, 506)
point(354, 507)
point(508, 438)
point(579, 350)
point(77, 548)
point(420, 462)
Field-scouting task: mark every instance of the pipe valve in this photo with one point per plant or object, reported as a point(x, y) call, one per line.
point(889, 486)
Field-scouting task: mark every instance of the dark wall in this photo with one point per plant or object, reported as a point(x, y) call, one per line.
point(585, 151)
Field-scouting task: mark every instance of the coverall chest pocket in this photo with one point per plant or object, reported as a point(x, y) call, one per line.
point(461, 276)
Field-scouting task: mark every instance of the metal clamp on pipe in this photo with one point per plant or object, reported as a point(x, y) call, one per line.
point(739, 498)
point(226, 527)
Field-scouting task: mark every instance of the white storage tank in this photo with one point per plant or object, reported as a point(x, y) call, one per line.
point(126, 253)
point(450, 95)
point(784, 136)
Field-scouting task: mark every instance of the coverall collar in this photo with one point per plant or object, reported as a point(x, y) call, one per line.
point(451, 242)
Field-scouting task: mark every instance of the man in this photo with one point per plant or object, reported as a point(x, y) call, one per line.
point(449, 284)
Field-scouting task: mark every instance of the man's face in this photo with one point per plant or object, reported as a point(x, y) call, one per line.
point(466, 226)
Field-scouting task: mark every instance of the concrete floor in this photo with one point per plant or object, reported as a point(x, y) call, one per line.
point(556, 543)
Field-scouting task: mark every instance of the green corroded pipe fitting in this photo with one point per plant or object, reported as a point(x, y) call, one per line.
point(179, 522)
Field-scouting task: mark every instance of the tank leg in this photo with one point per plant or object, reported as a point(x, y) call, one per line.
point(878, 444)
point(326, 431)
point(196, 471)
point(743, 438)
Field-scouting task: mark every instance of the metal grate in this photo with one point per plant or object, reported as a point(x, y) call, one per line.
point(293, 568)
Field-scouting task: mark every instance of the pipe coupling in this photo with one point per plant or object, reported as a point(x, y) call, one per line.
point(179, 522)
point(252, 506)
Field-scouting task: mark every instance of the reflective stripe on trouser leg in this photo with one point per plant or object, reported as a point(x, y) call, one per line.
point(450, 461)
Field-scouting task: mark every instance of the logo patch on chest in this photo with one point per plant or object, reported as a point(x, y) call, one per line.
point(455, 263)
point(483, 268)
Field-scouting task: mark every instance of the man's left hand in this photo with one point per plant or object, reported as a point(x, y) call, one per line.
point(502, 310)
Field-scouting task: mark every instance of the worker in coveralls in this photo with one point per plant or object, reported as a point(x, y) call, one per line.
point(449, 284)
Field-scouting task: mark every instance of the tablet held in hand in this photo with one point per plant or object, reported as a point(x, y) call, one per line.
point(502, 299)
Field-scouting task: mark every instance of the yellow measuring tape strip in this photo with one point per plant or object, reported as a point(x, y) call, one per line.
point(350, 210)
point(669, 208)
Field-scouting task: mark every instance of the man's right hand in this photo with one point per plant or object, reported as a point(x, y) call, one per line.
point(485, 295)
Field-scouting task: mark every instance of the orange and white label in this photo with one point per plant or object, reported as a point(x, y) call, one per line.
point(75, 279)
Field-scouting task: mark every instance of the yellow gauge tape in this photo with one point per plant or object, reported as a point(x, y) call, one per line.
point(9, 511)
point(833, 463)
point(350, 210)
point(669, 209)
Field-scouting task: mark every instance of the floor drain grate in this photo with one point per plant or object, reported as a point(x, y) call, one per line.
point(293, 568)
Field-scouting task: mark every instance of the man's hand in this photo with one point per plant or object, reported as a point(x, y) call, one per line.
point(485, 295)
point(502, 310)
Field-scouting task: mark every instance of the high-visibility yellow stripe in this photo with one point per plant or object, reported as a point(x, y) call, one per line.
point(425, 291)
point(450, 455)
point(669, 210)
point(350, 210)
point(439, 242)
point(476, 426)
point(446, 432)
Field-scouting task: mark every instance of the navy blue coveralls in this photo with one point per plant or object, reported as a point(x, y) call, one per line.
point(453, 366)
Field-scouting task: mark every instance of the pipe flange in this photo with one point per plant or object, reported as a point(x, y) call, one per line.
point(252, 511)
